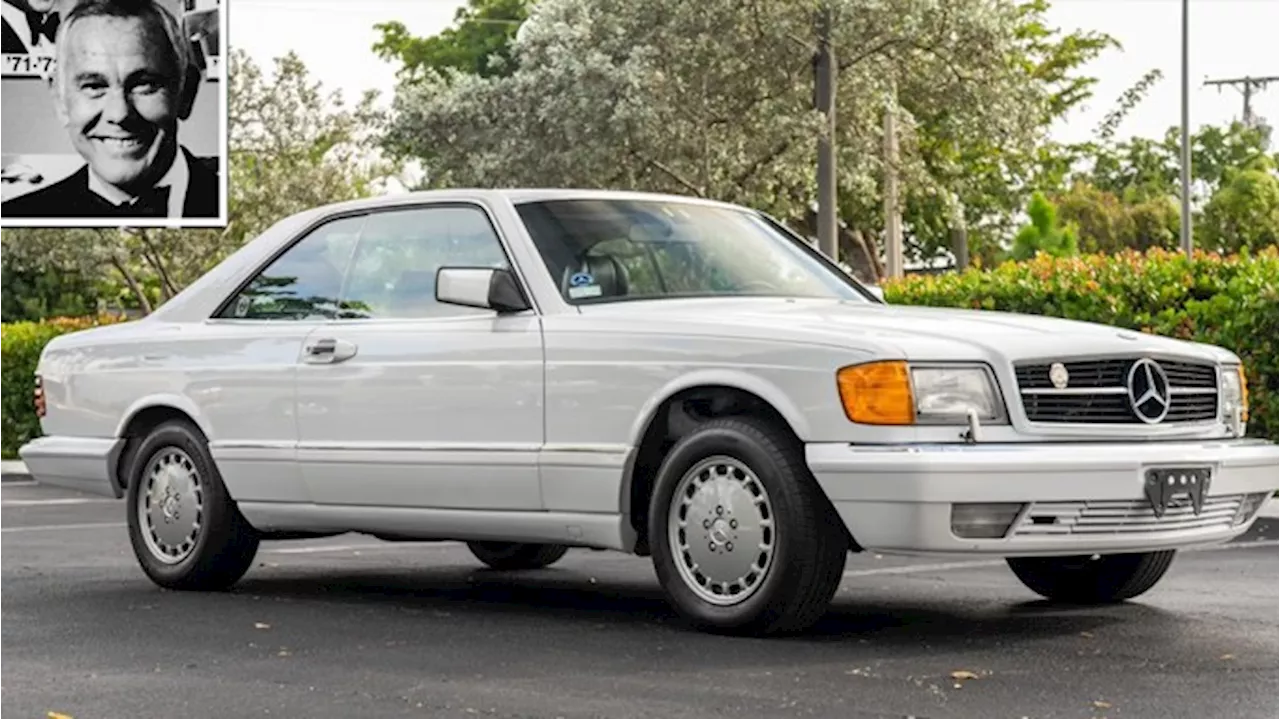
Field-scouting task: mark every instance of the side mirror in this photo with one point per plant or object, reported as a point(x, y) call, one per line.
point(484, 287)
point(876, 290)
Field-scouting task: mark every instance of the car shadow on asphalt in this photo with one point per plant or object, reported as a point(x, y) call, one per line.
point(565, 596)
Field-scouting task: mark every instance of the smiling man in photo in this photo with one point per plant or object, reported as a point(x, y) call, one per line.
point(125, 78)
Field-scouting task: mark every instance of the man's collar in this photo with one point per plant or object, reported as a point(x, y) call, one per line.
point(176, 179)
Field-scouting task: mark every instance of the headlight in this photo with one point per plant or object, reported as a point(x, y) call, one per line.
point(949, 393)
point(896, 393)
point(1233, 399)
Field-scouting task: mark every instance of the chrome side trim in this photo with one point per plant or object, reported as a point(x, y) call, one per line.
point(603, 531)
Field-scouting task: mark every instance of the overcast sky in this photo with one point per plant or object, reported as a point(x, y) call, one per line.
point(1229, 38)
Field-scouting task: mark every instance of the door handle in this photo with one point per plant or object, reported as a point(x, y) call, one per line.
point(329, 351)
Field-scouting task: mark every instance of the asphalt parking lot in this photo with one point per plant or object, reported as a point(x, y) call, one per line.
point(351, 626)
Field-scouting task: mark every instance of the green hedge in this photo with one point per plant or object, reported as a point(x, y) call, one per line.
point(1226, 301)
point(20, 347)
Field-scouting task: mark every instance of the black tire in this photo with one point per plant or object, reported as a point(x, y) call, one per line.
point(1085, 580)
point(513, 555)
point(810, 545)
point(225, 543)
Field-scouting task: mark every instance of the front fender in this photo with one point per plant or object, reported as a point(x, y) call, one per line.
point(736, 379)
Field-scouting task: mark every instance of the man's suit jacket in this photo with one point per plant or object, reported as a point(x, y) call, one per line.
point(71, 197)
point(10, 42)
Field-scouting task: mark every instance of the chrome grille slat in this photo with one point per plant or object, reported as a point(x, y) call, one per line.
point(1193, 392)
point(1124, 517)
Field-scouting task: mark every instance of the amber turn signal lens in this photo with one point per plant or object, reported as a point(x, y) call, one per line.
point(1244, 394)
point(877, 393)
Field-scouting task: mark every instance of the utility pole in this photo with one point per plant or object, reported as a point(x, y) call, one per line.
point(1186, 131)
point(959, 234)
point(1247, 85)
point(825, 99)
point(892, 212)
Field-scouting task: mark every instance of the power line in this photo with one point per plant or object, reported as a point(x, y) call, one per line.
point(1246, 85)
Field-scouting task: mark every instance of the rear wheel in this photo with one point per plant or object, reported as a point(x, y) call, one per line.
point(514, 555)
point(744, 540)
point(1092, 580)
point(185, 529)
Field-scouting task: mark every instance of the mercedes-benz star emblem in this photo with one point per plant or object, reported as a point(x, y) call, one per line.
point(1148, 391)
point(1058, 375)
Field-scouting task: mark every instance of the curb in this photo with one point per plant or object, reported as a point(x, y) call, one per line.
point(13, 470)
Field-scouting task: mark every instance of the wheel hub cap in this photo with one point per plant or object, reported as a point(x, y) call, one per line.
point(171, 505)
point(721, 530)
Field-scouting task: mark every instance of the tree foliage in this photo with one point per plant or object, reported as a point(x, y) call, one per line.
point(31, 293)
point(716, 99)
point(1044, 234)
point(1244, 212)
point(1105, 222)
point(478, 43)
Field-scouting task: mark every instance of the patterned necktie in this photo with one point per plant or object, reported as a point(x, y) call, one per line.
point(45, 24)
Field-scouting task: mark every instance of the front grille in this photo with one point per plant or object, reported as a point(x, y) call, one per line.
point(1128, 517)
point(1193, 387)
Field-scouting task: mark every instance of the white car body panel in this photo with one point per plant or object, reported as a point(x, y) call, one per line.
point(401, 424)
point(521, 427)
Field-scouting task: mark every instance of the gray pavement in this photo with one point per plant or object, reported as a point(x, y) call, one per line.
point(354, 627)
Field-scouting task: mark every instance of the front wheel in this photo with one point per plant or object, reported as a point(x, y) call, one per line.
point(1092, 580)
point(185, 529)
point(743, 539)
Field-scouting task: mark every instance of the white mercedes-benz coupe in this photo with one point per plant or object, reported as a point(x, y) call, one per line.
point(532, 370)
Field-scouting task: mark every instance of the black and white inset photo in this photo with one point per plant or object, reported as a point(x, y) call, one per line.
point(114, 113)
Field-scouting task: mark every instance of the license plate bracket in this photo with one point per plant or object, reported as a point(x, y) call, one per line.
point(1170, 487)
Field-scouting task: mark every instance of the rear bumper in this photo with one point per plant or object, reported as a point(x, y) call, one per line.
point(1075, 498)
point(81, 463)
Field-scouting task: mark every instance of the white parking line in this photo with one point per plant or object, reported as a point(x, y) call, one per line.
point(54, 502)
point(60, 527)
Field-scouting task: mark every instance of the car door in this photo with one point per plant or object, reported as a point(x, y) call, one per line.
point(404, 401)
point(246, 362)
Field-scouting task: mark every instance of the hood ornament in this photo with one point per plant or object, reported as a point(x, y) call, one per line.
point(1058, 375)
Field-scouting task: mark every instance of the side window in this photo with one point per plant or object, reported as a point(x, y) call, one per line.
point(303, 283)
point(393, 272)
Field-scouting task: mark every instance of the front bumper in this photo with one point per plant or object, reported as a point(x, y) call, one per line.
point(1077, 498)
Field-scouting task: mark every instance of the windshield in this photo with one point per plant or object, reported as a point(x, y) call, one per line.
point(607, 250)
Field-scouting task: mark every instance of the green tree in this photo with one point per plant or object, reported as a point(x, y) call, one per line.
point(1107, 223)
point(979, 180)
point(1141, 168)
point(33, 293)
point(715, 99)
point(1044, 233)
point(479, 42)
point(1126, 194)
point(1243, 214)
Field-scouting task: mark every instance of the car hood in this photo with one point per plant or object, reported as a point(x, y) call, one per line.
point(910, 332)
